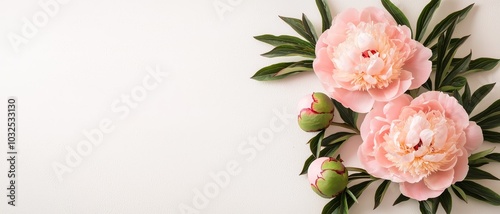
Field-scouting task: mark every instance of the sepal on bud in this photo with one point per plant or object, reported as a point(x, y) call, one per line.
point(315, 112)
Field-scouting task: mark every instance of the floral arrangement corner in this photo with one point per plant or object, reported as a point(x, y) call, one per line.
point(418, 131)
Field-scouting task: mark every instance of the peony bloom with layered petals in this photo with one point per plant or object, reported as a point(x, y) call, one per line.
point(366, 57)
point(423, 144)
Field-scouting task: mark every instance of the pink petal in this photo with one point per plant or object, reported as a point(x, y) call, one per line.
point(439, 180)
point(418, 191)
point(474, 136)
point(419, 65)
point(358, 101)
point(461, 168)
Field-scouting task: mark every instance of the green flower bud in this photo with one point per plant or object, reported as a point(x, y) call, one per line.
point(328, 177)
point(315, 112)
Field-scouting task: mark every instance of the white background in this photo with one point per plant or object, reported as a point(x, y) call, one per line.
point(200, 118)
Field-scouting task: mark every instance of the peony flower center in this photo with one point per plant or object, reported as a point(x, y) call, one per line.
point(380, 62)
point(420, 143)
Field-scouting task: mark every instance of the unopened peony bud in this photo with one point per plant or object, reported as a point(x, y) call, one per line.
point(327, 176)
point(315, 112)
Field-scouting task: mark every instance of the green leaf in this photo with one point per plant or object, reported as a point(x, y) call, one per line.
point(490, 122)
point(456, 84)
point(425, 17)
point(281, 70)
point(462, 65)
point(332, 206)
point(360, 175)
point(315, 143)
point(299, 27)
point(443, 57)
point(353, 197)
point(336, 138)
point(344, 207)
point(307, 164)
point(400, 199)
point(459, 192)
point(347, 115)
point(380, 192)
point(445, 23)
point(290, 50)
point(494, 157)
point(491, 110)
point(477, 174)
point(478, 96)
point(466, 96)
point(481, 64)
point(309, 27)
point(479, 192)
point(283, 40)
point(458, 97)
point(326, 16)
point(398, 15)
point(491, 136)
point(445, 201)
point(428, 84)
point(481, 154)
point(425, 207)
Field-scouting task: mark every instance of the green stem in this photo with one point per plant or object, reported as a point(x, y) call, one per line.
point(344, 125)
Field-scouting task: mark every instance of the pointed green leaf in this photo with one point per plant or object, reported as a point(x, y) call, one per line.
point(491, 110)
point(400, 199)
point(456, 84)
point(443, 61)
point(380, 192)
point(398, 15)
point(299, 27)
point(347, 115)
point(466, 96)
point(428, 84)
point(458, 97)
point(425, 207)
point(344, 207)
point(478, 174)
point(478, 96)
point(290, 50)
point(481, 64)
point(425, 17)
point(360, 175)
point(281, 70)
point(445, 201)
point(462, 65)
point(309, 27)
point(490, 122)
point(479, 192)
point(491, 136)
point(336, 138)
point(353, 197)
point(307, 164)
point(481, 154)
point(326, 16)
point(283, 40)
point(315, 143)
point(459, 192)
point(494, 157)
point(445, 23)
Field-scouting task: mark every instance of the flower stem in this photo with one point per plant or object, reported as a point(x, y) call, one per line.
point(344, 125)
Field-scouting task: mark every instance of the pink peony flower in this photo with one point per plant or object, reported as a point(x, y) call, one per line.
point(423, 144)
point(366, 57)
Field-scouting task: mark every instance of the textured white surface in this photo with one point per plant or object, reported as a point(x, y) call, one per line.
point(201, 119)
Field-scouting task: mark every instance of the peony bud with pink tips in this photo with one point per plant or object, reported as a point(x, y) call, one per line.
point(315, 112)
point(328, 176)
